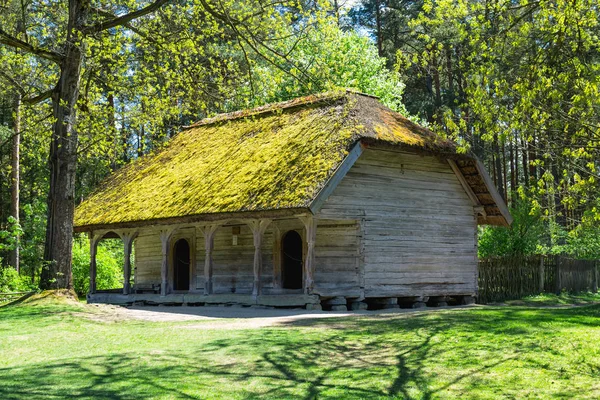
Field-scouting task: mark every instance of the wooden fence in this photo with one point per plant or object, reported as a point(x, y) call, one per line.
point(506, 278)
point(11, 296)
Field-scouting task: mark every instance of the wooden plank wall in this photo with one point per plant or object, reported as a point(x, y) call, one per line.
point(336, 256)
point(417, 224)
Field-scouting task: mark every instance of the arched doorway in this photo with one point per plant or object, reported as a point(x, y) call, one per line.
point(181, 265)
point(292, 260)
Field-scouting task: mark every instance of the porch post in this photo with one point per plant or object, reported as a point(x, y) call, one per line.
point(310, 225)
point(128, 238)
point(94, 239)
point(165, 238)
point(277, 278)
point(258, 228)
point(209, 242)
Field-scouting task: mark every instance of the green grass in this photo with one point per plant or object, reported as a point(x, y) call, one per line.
point(552, 300)
point(57, 349)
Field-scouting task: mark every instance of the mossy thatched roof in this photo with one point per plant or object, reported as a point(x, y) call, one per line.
point(271, 158)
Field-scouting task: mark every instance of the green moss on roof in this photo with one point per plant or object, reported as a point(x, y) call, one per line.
point(274, 157)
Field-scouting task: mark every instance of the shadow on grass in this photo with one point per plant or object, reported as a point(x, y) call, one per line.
point(404, 356)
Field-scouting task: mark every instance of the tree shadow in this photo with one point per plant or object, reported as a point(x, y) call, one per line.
point(372, 357)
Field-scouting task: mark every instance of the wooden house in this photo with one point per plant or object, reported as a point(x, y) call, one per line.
point(331, 199)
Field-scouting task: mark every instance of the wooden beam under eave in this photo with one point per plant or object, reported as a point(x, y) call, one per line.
point(464, 183)
point(494, 194)
point(337, 177)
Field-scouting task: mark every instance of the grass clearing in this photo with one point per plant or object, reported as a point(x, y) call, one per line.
point(54, 347)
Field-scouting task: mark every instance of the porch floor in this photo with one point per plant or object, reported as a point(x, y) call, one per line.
point(272, 300)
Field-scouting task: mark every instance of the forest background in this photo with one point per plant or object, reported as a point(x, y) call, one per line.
point(86, 87)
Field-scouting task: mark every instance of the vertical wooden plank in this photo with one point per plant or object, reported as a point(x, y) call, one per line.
point(360, 259)
point(557, 275)
point(277, 277)
point(310, 226)
point(595, 272)
point(209, 243)
point(193, 263)
point(258, 228)
point(541, 277)
point(94, 239)
point(128, 238)
point(165, 238)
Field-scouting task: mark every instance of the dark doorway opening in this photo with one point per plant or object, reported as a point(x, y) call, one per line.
point(292, 260)
point(181, 267)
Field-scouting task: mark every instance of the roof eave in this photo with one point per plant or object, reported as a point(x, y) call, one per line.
point(198, 219)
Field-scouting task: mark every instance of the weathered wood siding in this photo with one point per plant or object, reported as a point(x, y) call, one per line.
point(148, 257)
point(336, 252)
point(417, 224)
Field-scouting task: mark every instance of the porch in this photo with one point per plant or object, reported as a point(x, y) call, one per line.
point(241, 252)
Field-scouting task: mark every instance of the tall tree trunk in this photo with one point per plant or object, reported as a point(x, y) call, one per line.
point(516, 160)
point(525, 163)
point(336, 7)
point(16, 179)
point(498, 167)
point(531, 156)
point(112, 126)
point(437, 87)
point(451, 96)
point(379, 23)
point(504, 174)
point(513, 177)
point(63, 156)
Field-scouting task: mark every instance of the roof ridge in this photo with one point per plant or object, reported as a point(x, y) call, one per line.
point(281, 105)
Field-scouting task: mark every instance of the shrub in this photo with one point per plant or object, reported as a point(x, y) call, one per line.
point(11, 281)
point(109, 265)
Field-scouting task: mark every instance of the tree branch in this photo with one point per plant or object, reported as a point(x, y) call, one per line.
point(39, 98)
point(13, 82)
point(12, 41)
point(31, 100)
point(124, 19)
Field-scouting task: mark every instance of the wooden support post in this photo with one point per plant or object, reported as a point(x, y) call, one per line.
point(128, 238)
point(277, 276)
point(310, 224)
point(94, 239)
point(165, 238)
point(258, 228)
point(209, 242)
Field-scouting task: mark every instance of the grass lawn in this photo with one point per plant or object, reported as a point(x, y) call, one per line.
point(54, 348)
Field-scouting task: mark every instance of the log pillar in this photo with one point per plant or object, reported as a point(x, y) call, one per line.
point(209, 242)
point(128, 238)
point(165, 239)
point(258, 228)
point(94, 239)
point(310, 224)
point(277, 275)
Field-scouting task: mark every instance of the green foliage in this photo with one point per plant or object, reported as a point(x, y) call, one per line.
point(8, 236)
point(109, 265)
point(522, 237)
point(33, 221)
point(11, 281)
point(332, 59)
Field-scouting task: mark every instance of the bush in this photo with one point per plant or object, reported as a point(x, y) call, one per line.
point(109, 265)
point(11, 281)
point(522, 237)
